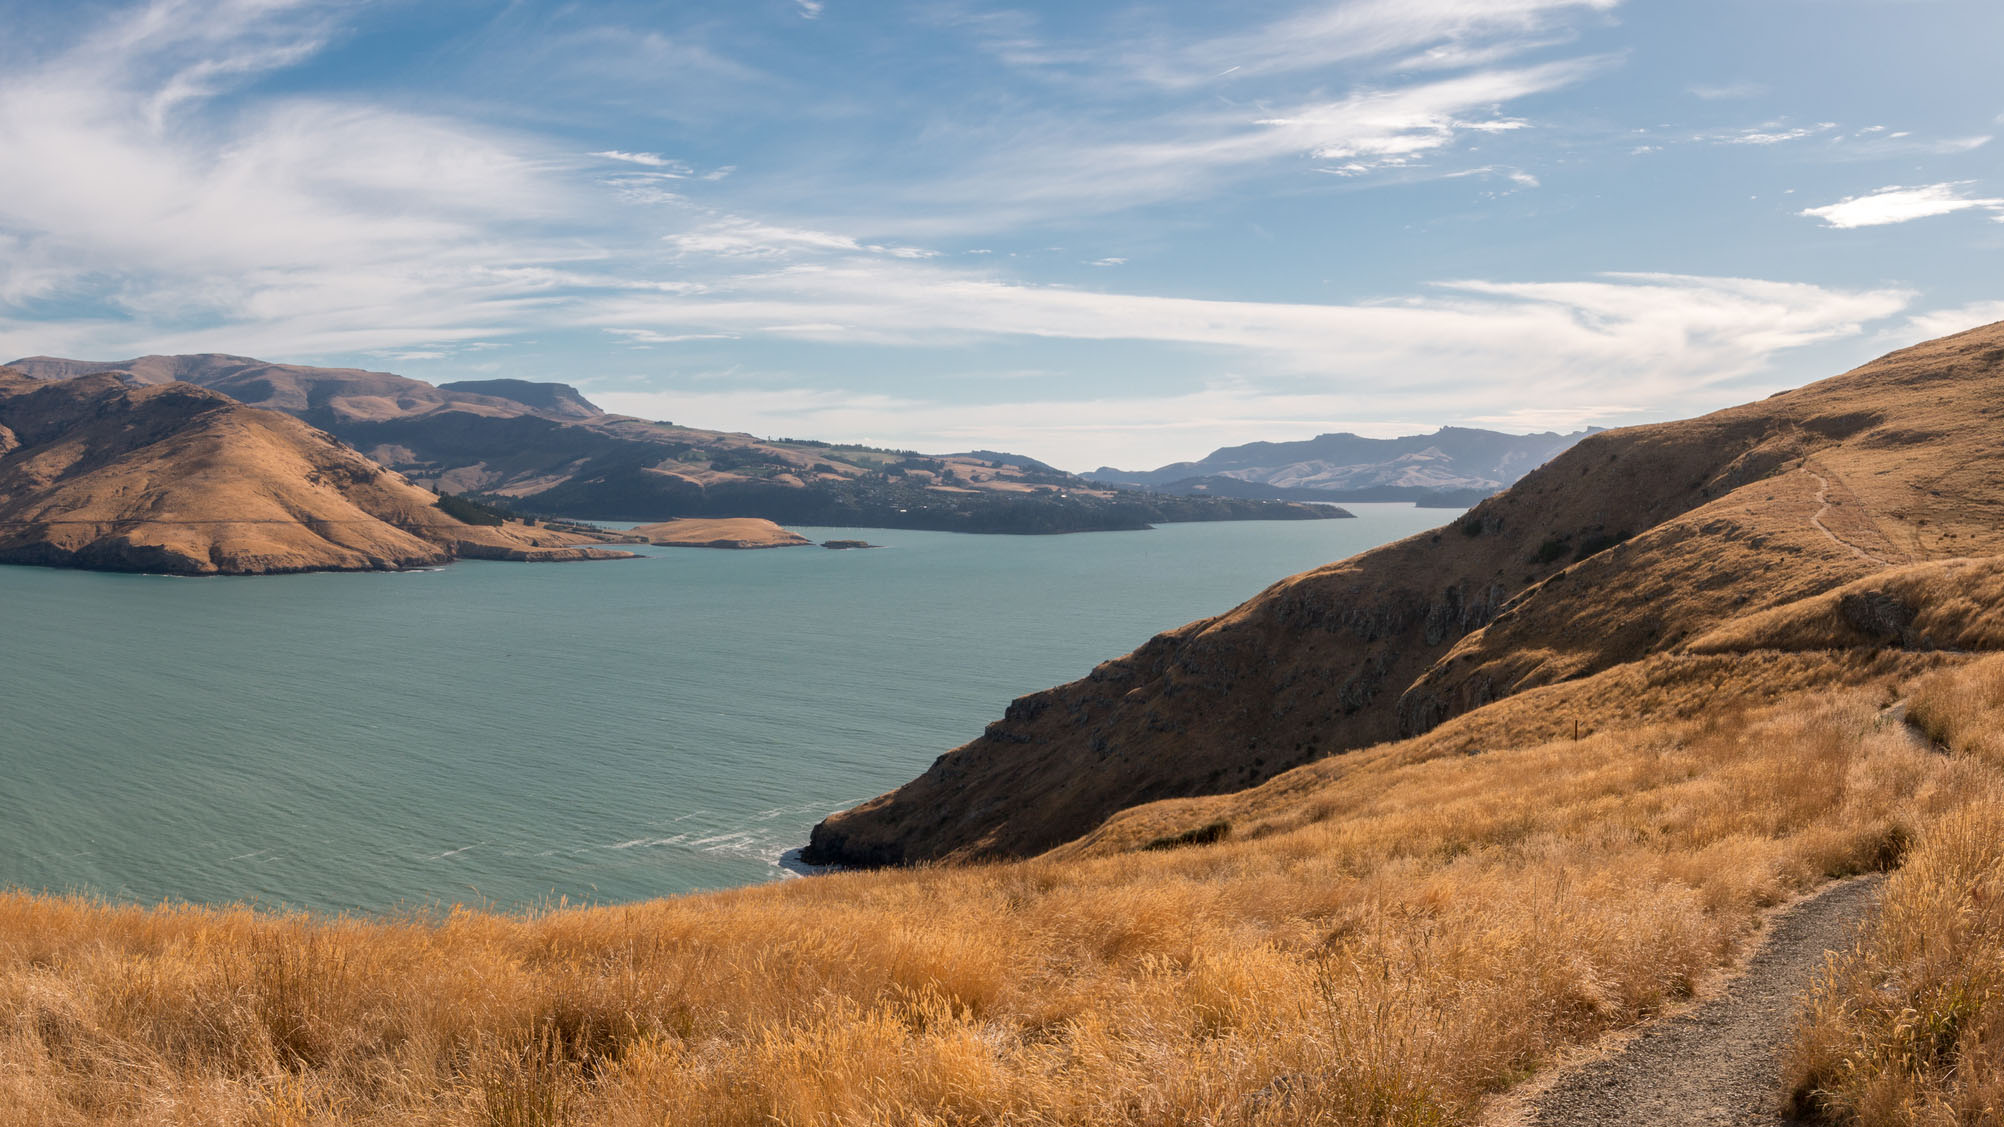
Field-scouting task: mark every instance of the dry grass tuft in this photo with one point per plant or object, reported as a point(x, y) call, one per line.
point(1908, 1028)
point(1963, 709)
point(1417, 937)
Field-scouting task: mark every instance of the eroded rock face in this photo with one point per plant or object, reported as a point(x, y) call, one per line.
point(1880, 617)
point(1631, 544)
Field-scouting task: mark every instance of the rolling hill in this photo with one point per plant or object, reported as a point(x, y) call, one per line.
point(99, 471)
point(544, 448)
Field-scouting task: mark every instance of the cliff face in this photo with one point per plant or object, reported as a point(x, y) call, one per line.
point(101, 472)
point(1645, 543)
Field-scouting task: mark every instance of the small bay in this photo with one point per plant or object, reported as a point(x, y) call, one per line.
point(513, 735)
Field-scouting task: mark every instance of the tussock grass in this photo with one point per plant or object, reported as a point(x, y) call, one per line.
point(1908, 1028)
point(1416, 938)
point(1963, 709)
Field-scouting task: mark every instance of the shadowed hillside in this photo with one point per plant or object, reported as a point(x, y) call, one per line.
point(1650, 551)
point(100, 472)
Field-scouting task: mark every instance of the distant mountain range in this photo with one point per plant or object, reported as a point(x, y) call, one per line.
point(544, 449)
point(1455, 466)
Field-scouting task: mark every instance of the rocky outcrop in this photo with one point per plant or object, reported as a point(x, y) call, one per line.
point(1632, 545)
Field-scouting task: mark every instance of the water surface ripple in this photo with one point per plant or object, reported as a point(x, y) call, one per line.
point(511, 734)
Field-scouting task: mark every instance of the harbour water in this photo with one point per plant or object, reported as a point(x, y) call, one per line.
point(512, 735)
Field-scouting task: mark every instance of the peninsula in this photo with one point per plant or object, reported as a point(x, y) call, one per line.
point(101, 472)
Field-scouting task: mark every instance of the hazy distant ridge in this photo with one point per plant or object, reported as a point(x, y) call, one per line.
point(1461, 460)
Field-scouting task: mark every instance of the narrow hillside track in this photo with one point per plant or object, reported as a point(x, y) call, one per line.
point(1824, 503)
point(1717, 1064)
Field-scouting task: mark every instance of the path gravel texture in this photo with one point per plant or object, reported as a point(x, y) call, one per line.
point(1720, 1063)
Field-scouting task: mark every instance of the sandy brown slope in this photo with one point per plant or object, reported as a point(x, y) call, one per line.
point(729, 532)
point(1817, 520)
point(99, 472)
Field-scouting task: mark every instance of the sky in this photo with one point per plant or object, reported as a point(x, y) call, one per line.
point(1098, 234)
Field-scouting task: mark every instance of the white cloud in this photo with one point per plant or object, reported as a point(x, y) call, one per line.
point(1898, 204)
point(1363, 131)
point(1515, 175)
point(309, 222)
point(651, 160)
point(649, 336)
point(302, 227)
point(738, 237)
point(810, 9)
point(1113, 261)
point(1470, 349)
point(1428, 33)
point(1481, 323)
point(1943, 322)
point(1775, 134)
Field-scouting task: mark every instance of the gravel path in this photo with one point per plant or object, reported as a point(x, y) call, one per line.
point(1720, 1063)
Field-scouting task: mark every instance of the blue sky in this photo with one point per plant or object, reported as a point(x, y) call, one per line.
point(1094, 233)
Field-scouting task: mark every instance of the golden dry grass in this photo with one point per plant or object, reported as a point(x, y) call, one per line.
point(1908, 1028)
point(1416, 938)
point(720, 532)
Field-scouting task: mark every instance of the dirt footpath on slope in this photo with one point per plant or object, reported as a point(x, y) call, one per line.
point(1720, 1062)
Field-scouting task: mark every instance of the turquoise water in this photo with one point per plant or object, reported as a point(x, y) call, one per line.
point(509, 734)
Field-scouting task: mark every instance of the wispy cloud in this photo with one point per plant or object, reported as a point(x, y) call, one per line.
point(1473, 351)
point(1516, 176)
point(649, 336)
point(1664, 333)
point(1728, 91)
point(651, 160)
point(810, 9)
point(1897, 204)
point(1200, 151)
point(332, 221)
point(735, 236)
point(1409, 34)
point(1942, 322)
point(1774, 133)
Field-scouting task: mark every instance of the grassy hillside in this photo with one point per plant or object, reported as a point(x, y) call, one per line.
point(96, 472)
point(1909, 1026)
point(1807, 525)
point(1394, 942)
